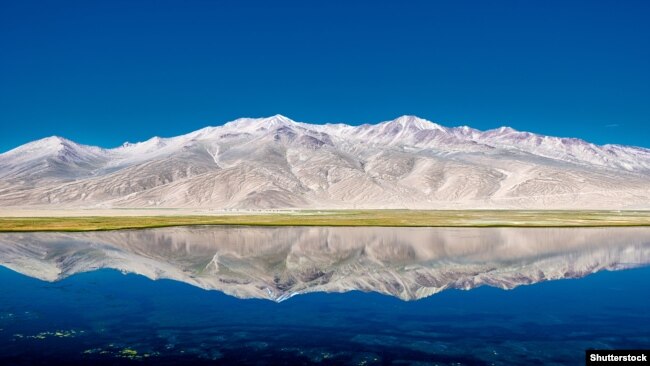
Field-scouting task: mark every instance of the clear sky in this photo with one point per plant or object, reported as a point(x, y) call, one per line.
point(104, 72)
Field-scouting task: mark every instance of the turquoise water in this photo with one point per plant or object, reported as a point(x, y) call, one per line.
point(102, 316)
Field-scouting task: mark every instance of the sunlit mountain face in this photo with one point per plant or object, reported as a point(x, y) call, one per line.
point(279, 262)
point(275, 162)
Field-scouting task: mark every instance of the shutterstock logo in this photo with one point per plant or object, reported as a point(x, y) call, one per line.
point(616, 357)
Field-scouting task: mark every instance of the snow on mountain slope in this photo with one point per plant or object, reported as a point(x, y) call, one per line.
point(49, 160)
point(275, 162)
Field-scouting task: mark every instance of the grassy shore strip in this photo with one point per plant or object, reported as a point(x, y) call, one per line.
point(404, 218)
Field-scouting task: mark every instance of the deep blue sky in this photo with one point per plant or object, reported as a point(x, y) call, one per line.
point(103, 72)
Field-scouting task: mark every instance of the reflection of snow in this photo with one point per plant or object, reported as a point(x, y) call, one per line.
point(277, 263)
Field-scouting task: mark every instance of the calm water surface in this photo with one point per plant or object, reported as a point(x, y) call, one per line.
point(314, 295)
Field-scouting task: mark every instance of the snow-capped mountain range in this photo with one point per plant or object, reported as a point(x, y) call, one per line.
point(276, 162)
point(276, 263)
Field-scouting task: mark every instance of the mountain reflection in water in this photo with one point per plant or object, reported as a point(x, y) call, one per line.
point(278, 262)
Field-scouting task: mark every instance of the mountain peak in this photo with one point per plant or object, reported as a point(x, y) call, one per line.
point(44, 145)
point(416, 122)
point(54, 138)
point(279, 117)
point(254, 124)
point(504, 130)
point(54, 141)
point(276, 121)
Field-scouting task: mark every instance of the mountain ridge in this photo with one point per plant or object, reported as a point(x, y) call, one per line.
point(276, 117)
point(275, 162)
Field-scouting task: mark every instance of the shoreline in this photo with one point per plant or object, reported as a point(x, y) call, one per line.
point(129, 219)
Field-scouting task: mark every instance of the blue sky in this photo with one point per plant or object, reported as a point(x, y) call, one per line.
point(104, 72)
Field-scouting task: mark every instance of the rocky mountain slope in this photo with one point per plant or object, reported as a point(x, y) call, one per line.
point(279, 163)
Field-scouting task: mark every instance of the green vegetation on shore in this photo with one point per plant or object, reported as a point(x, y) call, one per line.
point(459, 218)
